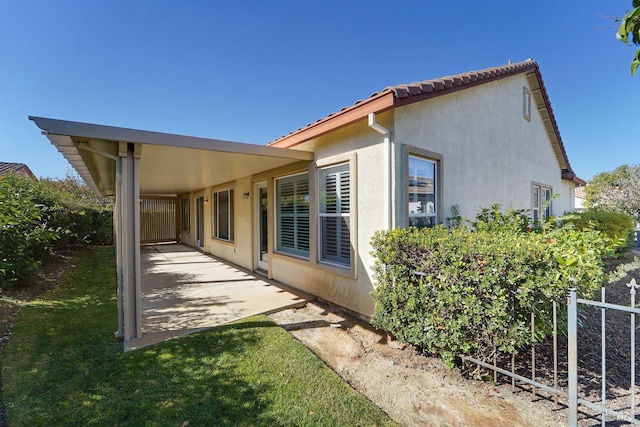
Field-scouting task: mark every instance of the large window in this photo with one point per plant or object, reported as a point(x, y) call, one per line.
point(541, 202)
point(292, 215)
point(334, 215)
point(223, 215)
point(185, 214)
point(422, 190)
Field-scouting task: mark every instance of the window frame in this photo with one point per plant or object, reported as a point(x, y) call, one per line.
point(541, 194)
point(215, 217)
point(438, 159)
point(343, 211)
point(185, 214)
point(279, 215)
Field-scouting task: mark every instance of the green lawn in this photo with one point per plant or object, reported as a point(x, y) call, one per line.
point(63, 366)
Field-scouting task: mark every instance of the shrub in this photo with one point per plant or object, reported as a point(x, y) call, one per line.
point(616, 226)
point(72, 208)
point(37, 216)
point(472, 290)
point(24, 238)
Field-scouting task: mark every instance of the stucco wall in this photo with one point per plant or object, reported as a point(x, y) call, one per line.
point(349, 288)
point(491, 153)
point(238, 251)
point(488, 154)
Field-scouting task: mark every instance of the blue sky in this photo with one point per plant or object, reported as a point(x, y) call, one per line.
point(252, 71)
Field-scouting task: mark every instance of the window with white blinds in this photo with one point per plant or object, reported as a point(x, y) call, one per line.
point(334, 215)
point(292, 215)
point(223, 215)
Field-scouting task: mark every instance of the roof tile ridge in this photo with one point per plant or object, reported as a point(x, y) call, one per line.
point(402, 90)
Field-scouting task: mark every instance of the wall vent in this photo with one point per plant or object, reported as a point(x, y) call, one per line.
point(526, 103)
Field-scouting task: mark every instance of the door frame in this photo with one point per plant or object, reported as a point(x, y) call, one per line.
point(260, 221)
point(199, 223)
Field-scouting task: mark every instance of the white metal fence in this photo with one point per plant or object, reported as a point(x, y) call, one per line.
point(570, 394)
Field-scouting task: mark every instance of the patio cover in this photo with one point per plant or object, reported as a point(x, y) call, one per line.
point(169, 164)
point(124, 163)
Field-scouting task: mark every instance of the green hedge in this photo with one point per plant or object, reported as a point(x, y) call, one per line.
point(38, 216)
point(25, 239)
point(72, 208)
point(465, 290)
point(616, 226)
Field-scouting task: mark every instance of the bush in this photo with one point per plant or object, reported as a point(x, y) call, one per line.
point(24, 238)
point(38, 216)
point(616, 226)
point(472, 290)
point(72, 208)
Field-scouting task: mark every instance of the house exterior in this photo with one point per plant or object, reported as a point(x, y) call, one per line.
point(19, 168)
point(303, 209)
point(580, 198)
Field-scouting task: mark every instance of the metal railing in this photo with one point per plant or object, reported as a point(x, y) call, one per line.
point(574, 400)
point(570, 395)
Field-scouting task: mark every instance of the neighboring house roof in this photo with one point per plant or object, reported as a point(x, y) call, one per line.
point(19, 168)
point(397, 96)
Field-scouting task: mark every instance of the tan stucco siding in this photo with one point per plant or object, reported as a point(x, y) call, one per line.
point(348, 288)
point(238, 251)
point(489, 153)
point(492, 154)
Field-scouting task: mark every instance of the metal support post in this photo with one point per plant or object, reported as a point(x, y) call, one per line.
point(572, 308)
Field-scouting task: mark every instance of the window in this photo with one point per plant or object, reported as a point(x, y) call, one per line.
point(184, 215)
point(526, 103)
point(422, 190)
point(541, 202)
point(334, 215)
point(223, 215)
point(292, 215)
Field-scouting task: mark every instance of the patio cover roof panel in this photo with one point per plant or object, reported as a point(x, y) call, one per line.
point(168, 164)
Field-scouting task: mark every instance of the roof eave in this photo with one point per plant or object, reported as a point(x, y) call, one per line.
point(570, 176)
point(376, 104)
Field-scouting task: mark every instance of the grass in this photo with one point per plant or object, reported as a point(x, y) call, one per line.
point(63, 366)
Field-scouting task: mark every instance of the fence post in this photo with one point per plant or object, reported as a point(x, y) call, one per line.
point(632, 289)
point(572, 314)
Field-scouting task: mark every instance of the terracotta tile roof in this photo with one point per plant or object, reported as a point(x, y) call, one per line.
point(396, 96)
point(15, 167)
point(465, 80)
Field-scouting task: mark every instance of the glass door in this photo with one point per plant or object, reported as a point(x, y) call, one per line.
point(261, 227)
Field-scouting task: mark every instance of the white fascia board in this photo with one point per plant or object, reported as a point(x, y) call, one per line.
point(67, 148)
point(88, 130)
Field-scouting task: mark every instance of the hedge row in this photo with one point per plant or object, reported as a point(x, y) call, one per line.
point(471, 290)
point(616, 226)
point(36, 217)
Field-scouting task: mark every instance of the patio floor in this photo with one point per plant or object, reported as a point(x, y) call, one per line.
point(185, 291)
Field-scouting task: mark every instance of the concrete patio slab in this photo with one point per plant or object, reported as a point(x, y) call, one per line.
point(185, 291)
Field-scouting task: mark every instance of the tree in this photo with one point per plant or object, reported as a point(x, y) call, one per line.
point(618, 190)
point(630, 29)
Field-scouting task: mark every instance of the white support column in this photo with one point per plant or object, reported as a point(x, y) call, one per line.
point(130, 241)
point(117, 240)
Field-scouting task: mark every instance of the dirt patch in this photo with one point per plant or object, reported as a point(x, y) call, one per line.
point(418, 390)
point(413, 389)
point(14, 298)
